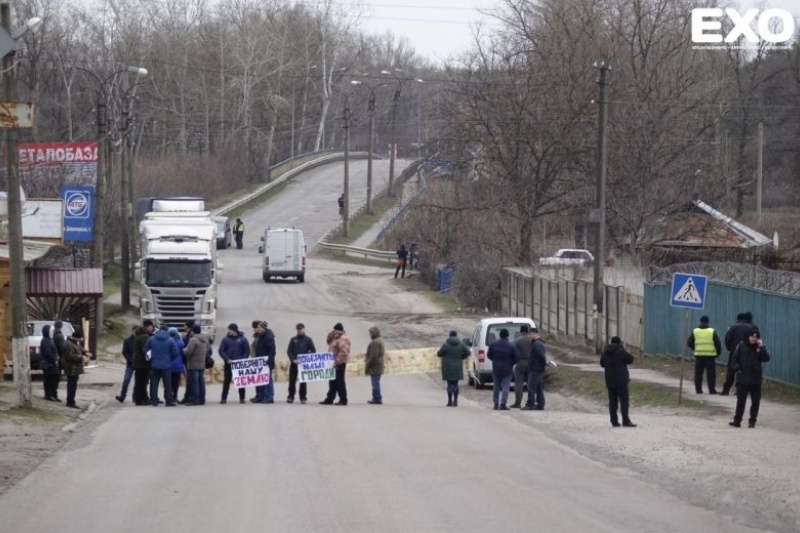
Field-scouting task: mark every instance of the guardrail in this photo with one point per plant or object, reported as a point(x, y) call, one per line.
point(339, 156)
point(368, 253)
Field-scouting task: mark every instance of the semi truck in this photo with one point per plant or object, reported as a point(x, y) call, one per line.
point(179, 269)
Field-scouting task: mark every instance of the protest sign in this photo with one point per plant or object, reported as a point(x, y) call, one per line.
point(250, 372)
point(315, 367)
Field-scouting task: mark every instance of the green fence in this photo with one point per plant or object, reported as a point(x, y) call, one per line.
point(777, 315)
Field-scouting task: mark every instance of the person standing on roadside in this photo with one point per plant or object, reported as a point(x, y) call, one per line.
point(141, 365)
point(196, 350)
point(615, 360)
point(503, 355)
point(161, 350)
point(373, 364)
point(537, 363)
point(706, 345)
point(178, 364)
point(61, 346)
point(186, 332)
point(339, 346)
point(265, 347)
point(76, 358)
point(747, 360)
point(50, 368)
point(402, 257)
point(738, 332)
point(523, 344)
point(232, 348)
point(238, 231)
point(299, 344)
point(127, 354)
point(452, 353)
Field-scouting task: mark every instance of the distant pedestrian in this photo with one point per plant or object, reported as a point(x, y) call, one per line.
point(74, 362)
point(161, 351)
point(265, 347)
point(238, 231)
point(187, 333)
point(738, 332)
point(523, 344)
point(413, 257)
point(141, 365)
point(503, 355)
point(373, 364)
point(178, 364)
point(453, 352)
point(402, 257)
point(340, 201)
point(615, 360)
point(706, 345)
point(50, 365)
point(537, 363)
point(747, 359)
point(127, 353)
point(253, 344)
point(298, 345)
point(233, 347)
point(61, 346)
point(339, 345)
point(196, 350)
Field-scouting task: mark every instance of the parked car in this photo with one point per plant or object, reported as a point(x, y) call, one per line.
point(223, 232)
point(283, 254)
point(568, 256)
point(486, 332)
point(35, 338)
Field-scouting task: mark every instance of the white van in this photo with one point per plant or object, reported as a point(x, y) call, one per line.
point(486, 332)
point(284, 254)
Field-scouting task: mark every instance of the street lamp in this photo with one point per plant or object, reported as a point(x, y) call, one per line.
point(19, 308)
point(371, 137)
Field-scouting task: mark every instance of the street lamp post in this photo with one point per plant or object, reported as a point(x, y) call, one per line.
point(346, 192)
point(392, 136)
point(371, 109)
point(19, 308)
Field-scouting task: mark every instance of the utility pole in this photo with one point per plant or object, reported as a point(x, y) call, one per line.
point(760, 177)
point(19, 307)
point(371, 148)
point(100, 190)
point(600, 242)
point(393, 141)
point(346, 193)
point(124, 213)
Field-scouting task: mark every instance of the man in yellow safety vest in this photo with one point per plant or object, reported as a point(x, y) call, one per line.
point(706, 345)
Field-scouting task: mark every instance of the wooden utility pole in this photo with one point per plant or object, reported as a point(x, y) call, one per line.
point(346, 192)
point(125, 259)
point(600, 241)
point(371, 148)
point(760, 170)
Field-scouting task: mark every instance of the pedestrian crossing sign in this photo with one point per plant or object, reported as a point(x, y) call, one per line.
point(688, 290)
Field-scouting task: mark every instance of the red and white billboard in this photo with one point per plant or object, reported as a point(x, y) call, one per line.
point(69, 162)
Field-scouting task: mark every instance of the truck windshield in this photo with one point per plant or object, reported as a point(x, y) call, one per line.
point(178, 273)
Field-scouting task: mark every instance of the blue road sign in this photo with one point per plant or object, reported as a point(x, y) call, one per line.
point(688, 290)
point(79, 203)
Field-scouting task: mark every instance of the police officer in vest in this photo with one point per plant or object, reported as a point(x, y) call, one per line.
point(238, 232)
point(706, 345)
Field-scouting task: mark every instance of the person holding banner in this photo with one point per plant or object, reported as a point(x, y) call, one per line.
point(339, 346)
point(373, 364)
point(232, 348)
point(299, 344)
point(265, 347)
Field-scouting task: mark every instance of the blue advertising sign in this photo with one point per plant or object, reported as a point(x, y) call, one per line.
point(688, 290)
point(78, 212)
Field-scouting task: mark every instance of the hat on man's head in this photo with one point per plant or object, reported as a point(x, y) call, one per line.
point(300, 325)
point(338, 326)
point(233, 327)
point(616, 340)
point(704, 319)
point(524, 328)
point(748, 316)
point(754, 332)
point(197, 329)
point(173, 332)
point(534, 330)
point(740, 317)
point(58, 324)
point(189, 324)
point(148, 323)
point(453, 333)
point(263, 324)
point(504, 333)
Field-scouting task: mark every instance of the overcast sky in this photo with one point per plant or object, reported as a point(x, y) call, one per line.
point(440, 28)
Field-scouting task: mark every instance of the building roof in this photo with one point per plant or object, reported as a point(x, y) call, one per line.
point(64, 281)
point(705, 227)
point(31, 250)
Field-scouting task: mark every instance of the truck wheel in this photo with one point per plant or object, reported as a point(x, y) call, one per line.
point(266, 278)
point(301, 278)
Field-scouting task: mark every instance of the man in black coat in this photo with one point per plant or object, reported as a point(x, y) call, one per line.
point(299, 344)
point(127, 352)
point(141, 366)
point(747, 360)
point(737, 333)
point(615, 360)
point(265, 347)
point(503, 355)
point(537, 361)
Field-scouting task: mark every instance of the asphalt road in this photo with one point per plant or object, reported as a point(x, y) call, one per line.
point(408, 465)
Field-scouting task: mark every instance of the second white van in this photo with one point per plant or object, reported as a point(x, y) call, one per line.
point(283, 254)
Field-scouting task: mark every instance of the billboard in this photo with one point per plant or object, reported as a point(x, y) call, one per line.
point(79, 205)
point(42, 219)
point(62, 162)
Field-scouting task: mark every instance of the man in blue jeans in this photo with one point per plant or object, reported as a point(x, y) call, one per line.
point(127, 353)
point(160, 351)
point(373, 364)
point(265, 347)
point(503, 355)
point(537, 361)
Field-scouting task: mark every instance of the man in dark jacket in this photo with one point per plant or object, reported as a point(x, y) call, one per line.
point(706, 345)
point(453, 352)
point(738, 332)
point(523, 344)
point(299, 344)
point(232, 348)
point(537, 361)
point(61, 345)
point(127, 353)
point(141, 366)
point(373, 364)
point(160, 351)
point(747, 360)
point(195, 351)
point(265, 347)
point(503, 355)
point(50, 365)
point(402, 258)
point(615, 360)
point(73, 365)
